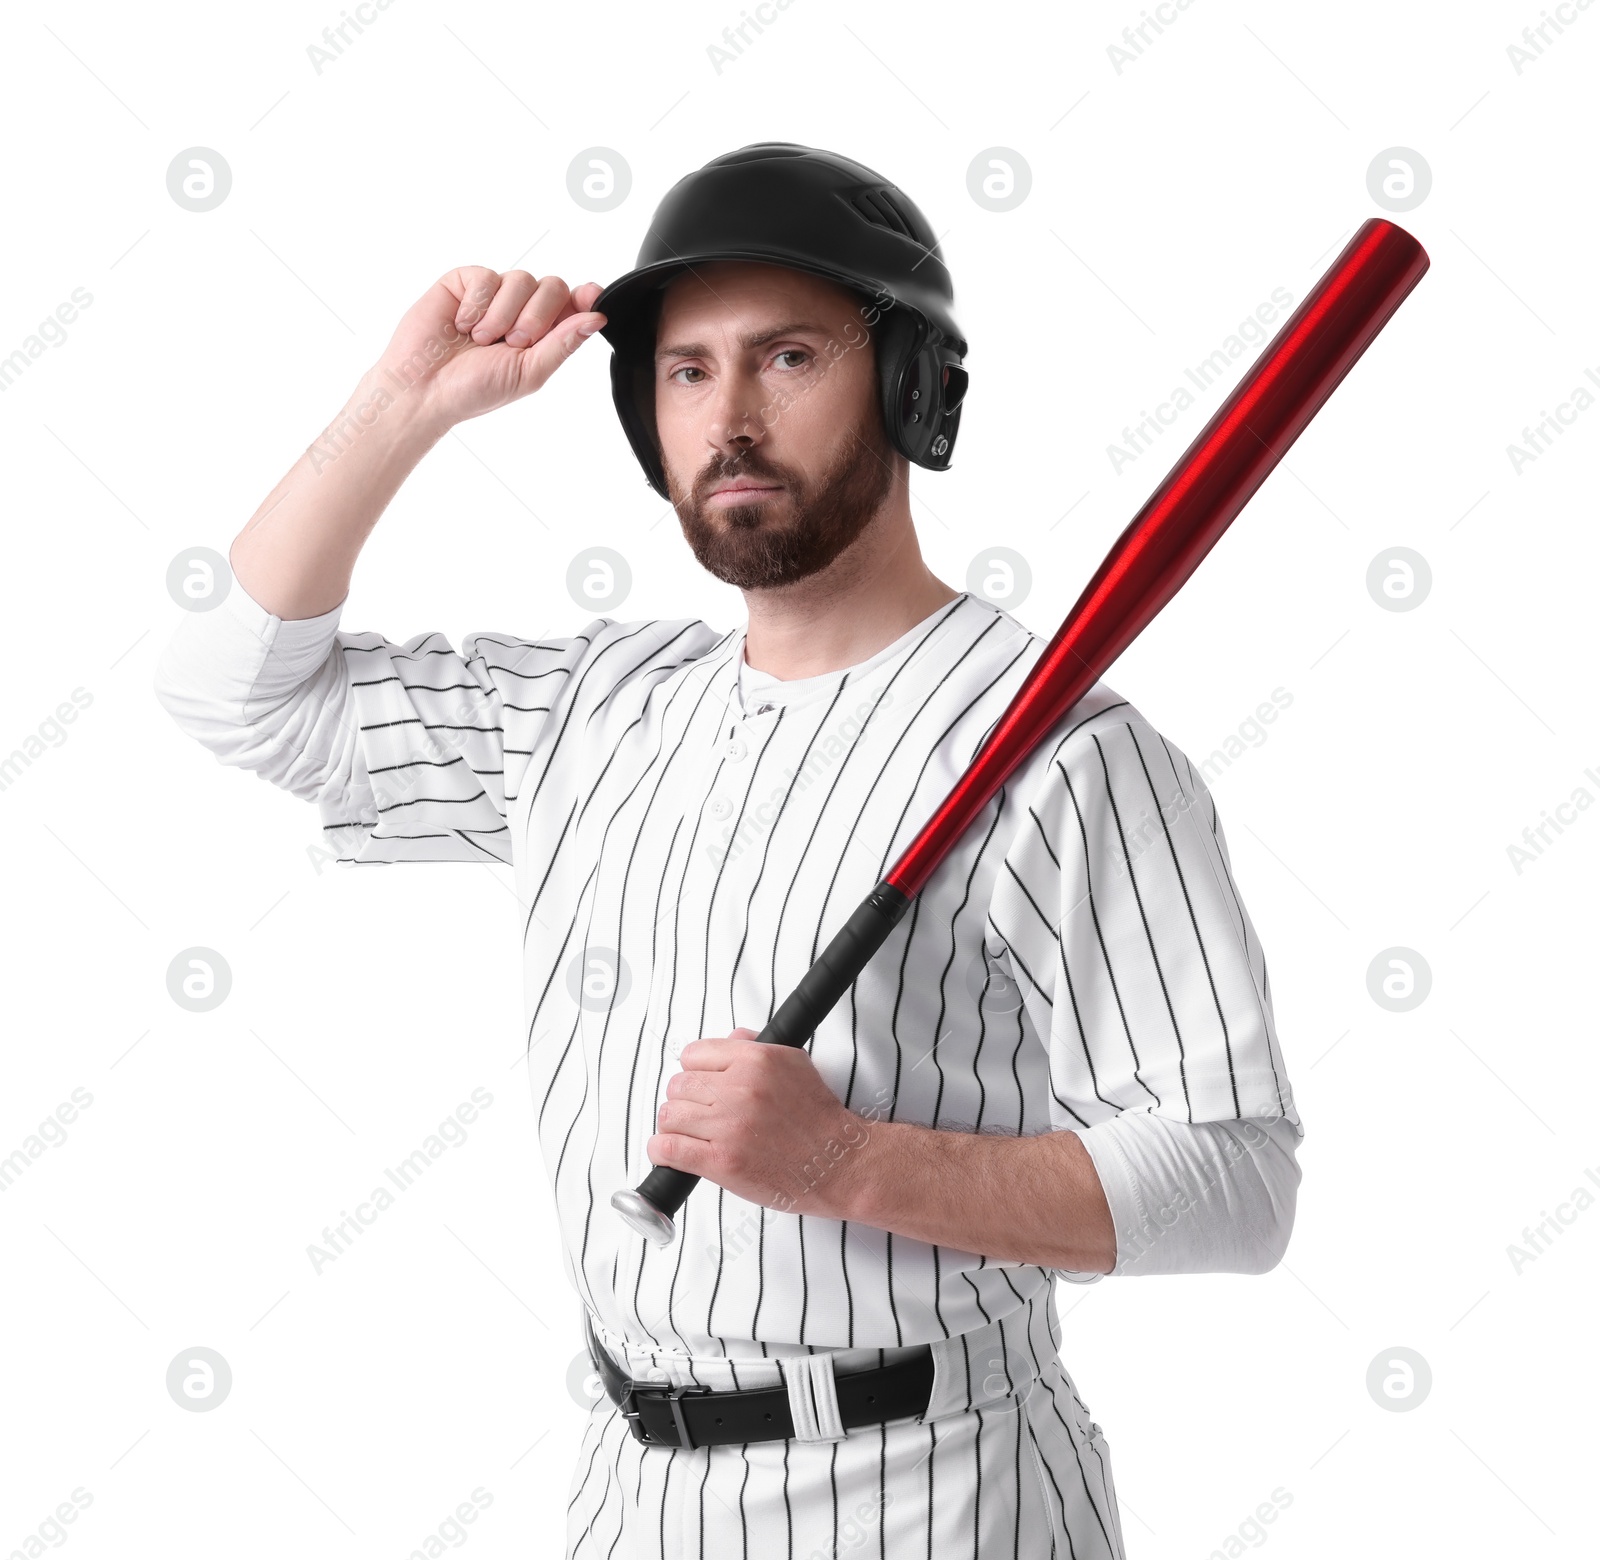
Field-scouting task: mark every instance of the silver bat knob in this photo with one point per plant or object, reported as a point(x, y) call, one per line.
point(643, 1217)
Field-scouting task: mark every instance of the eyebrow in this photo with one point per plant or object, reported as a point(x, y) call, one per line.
point(749, 339)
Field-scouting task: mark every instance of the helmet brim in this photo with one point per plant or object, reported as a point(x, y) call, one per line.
point(632, 300)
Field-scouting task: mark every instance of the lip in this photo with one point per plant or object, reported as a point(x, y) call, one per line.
point(742, 493)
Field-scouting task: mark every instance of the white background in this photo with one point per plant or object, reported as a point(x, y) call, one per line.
point(1169, 198)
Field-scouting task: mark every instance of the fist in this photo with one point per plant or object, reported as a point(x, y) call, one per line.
point(478, 339)
point(761, 1121)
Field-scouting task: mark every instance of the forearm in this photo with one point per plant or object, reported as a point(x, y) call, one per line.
point(1025, 1199)
point(297, 552)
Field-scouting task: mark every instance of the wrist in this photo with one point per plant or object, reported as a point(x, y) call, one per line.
point(401, 406)
point(860, 1178)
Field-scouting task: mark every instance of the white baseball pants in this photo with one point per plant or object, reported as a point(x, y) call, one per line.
point(1007, 1462)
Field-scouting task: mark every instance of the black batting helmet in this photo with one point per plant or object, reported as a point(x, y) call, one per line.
point(815, 211)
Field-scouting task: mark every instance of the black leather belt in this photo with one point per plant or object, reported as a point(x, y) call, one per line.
point(662, 1415)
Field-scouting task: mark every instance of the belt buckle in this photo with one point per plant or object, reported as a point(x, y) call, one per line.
point(629, 1407)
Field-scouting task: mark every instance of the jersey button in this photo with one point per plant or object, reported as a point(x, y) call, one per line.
point(736, 748)
point(721, 807)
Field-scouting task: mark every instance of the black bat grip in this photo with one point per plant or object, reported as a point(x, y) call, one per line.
point(649, 1207)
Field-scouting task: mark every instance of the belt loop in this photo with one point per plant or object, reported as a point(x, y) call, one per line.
point(813, 1397)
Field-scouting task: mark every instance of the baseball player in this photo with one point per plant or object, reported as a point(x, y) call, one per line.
point(1061, 1065)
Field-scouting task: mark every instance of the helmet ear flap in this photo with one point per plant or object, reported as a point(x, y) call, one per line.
point(633, 393)
point(900, 335)
point(633, 388)
point(923, 385)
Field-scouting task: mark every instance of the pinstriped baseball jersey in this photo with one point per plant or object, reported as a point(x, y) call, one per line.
point(684, 840)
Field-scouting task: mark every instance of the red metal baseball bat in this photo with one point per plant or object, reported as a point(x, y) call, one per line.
point(1161, 547)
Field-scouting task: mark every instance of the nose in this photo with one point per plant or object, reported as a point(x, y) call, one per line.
point(734, 415)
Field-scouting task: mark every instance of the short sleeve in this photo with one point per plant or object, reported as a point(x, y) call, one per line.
point(1138, 964)
point(409, 750)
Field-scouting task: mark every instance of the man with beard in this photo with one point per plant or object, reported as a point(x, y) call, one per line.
point(1061, 1065)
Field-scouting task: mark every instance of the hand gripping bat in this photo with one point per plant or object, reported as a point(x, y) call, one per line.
point(1161, 547)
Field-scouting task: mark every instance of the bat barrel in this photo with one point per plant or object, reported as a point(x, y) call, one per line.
point(1194, 504)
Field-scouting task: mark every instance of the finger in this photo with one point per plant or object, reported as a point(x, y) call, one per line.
point(583, 297)
point(705, 1089)
point(515, 289)
point(690, 1086)
point(543, 311)
point(676, 1151)
point(686, 1116)
point(711, 1053)
point(704, 1095)
point(538, 362)
point(473, 287)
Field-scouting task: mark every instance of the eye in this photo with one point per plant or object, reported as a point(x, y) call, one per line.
point(787, 352)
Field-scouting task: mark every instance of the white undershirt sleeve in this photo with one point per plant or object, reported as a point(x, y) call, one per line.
point(262, 693)
point(1206, 1197)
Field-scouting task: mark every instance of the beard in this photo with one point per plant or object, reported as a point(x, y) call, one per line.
point(791, 534)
